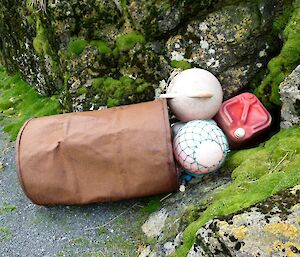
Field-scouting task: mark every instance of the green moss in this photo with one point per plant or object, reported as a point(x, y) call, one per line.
point(124, 4)
point(6, 104)
point(6, 208)
point(30, 20)
point(82, 90)
point(97, 85)
point(76, 46)
point(79, 242)
point(35, 6)
point(40, 42)
point(94, 254)
point(98, 82)
point(42, 47)
point(128, 41)
point(5, 233)
point(127, 246)
point(281, 20)
point(19, 102)
point(102, 47)
point(125, 90)
point(283, 64)
point(9, 112)
point(101, 230)
point(29, 5)
point(181, 65)
point(257, 174)
point(112, 102)
point(65, 96)
point(190, 214)
point(153, 205)
point(166, 6)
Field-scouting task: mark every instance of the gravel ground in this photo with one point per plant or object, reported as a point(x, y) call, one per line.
point(30, 230)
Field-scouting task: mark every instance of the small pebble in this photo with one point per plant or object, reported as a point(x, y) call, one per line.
point(182, 188)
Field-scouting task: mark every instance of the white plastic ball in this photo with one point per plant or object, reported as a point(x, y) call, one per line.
point(200, 147)
point(186, 85)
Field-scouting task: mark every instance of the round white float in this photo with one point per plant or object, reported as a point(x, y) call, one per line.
point(194, 94)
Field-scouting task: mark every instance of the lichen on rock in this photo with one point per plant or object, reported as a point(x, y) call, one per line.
point(270, 228)
point(290, 98)
point(86, 39)
point(221, 43)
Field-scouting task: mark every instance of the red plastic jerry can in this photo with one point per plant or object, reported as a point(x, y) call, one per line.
point(243, 118)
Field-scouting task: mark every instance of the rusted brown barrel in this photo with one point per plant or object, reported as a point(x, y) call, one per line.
point(98, 156)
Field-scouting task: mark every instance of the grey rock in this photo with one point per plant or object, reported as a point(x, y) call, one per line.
point(182, 208)
point(231, 43)
point(145, 252)
point(160, 18)
point(270, 228)
point(154, 225)
point(155, 17)
point(290, 96)
point(170, 247)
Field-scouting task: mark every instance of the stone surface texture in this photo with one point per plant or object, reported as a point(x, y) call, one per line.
point(290, 97)
point(270, 228)
point(165, 226)
point(220, 43)
point(106, 53)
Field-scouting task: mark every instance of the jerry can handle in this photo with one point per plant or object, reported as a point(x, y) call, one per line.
point(246, 104)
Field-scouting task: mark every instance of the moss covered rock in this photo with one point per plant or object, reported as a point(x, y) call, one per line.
point(156, 18)
point(287, 60)
point(270, 228)
point(26, 46)
point(164, 227)
point(249, 177)
point(60, 47)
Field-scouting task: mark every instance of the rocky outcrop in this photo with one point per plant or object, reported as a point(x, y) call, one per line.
point(165, 226)
point(106, 53)
point(248, 177)
point(270, 228)
point(157, 18)
point(290, 97)
point(220, 43)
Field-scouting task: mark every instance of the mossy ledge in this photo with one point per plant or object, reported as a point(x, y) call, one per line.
point(128, 41)
point(40, 42)
point(19, 102)
point(125, 90)
point(257, 174)
point(283, 64)
point(76, 46)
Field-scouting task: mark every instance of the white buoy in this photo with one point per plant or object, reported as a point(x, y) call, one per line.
point(194, 94)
